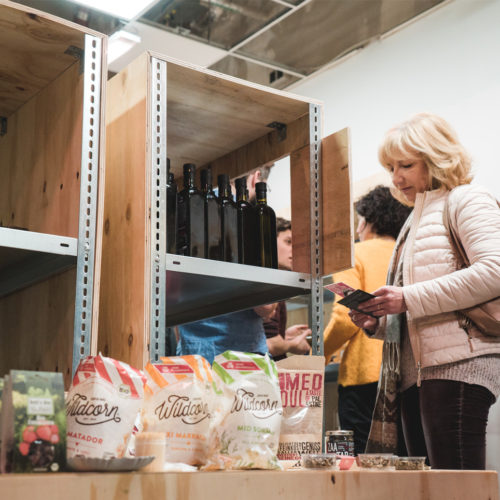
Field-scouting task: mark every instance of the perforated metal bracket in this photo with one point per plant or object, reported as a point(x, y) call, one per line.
point(91, 126)
point(280, 127)
point(316, 320)
point(77, 53)
point(158, 243)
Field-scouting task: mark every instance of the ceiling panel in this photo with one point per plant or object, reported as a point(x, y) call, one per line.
point(223, 23)
point(324, 30)
point(254, 72)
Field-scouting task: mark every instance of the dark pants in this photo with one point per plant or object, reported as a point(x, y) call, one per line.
point(356, 403)
point(446, 421)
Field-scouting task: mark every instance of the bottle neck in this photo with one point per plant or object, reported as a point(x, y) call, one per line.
point(206, 181)
point(261, 199)
point(242, 195)
point(224, 191)
point(189, 180)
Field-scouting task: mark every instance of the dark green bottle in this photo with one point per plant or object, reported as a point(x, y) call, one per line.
point(190, 216)
point(213, 225)
point(229, 219)
point(247, 225)
point(171, 211)
point(266, 229)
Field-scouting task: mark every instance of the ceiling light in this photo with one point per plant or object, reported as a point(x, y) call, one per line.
point(123, 9)
point(120, 43)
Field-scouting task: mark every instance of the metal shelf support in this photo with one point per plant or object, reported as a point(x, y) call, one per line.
point(316, 320)
point(158, 244)
point(88, 198)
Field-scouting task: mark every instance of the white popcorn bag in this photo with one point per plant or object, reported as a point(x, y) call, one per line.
point(179, 401)
point(103, 402)
point(246, 428)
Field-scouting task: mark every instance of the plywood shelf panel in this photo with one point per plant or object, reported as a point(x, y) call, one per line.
point(200, 288)
point(210, 115)
point(255, 485)
point(27, 257)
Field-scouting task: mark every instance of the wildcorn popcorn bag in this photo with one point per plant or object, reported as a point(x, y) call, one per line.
point(246, 426)
point(301, 381)
point(179, 401)
point(101, 408)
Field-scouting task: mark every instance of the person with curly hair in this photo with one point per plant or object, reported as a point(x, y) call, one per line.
point(381, 217)
point(438, 366)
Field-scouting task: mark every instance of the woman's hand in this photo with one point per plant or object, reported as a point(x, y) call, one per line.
point(368, 323)
point(388, 300)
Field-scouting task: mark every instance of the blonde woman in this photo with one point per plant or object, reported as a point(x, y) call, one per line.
point(447, 374)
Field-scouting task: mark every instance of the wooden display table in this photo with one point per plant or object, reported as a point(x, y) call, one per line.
point(254, 485)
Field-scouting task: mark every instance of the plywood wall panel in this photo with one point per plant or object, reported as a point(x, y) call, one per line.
point(300, 182)
point(123, 316)
point(41, 155)
point(337, 222)
point(36, 331)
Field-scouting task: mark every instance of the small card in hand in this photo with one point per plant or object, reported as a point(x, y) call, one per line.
point(340, 288)
point(351, 298)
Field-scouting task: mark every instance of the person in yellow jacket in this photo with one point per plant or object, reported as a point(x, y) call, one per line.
point(380, 219)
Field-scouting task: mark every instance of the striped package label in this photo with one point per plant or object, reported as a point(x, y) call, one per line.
point(104, 399)
point(179, 399)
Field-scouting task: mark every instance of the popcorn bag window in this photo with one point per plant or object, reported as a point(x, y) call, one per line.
point(245, 430)
point(102, 405)
point(178, 401)
point(301, 381)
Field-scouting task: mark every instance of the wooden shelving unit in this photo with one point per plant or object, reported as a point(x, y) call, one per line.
point(159, 107)
point(51, 90)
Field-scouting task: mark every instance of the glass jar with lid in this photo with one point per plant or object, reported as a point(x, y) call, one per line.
point(340, 442)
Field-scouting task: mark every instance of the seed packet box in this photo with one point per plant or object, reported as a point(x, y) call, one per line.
point(33, 419)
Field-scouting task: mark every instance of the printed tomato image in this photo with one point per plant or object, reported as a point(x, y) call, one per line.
point(29, 434)
point(44, 432)
point(54, 439)
point(24, 448)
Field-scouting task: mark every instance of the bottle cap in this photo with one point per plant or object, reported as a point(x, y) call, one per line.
point(241, 183)
point(261, 189)
point(223, 180)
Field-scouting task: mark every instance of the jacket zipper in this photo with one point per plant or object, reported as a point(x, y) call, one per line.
point(465, 325)
point(411, 235)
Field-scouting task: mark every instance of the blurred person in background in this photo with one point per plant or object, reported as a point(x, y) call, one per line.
point(280, 339)
point(380, 217)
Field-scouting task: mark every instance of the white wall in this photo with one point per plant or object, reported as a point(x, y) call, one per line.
point(447, 62)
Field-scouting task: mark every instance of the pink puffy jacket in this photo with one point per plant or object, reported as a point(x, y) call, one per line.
point(433, 288)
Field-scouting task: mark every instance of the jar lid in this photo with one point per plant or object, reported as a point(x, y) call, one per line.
point(339, 433)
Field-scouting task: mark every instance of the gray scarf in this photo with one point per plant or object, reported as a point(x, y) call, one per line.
point(383, 437)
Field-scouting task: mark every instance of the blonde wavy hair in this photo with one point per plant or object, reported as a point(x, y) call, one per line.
point(430, 138)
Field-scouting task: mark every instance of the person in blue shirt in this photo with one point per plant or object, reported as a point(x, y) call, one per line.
point(237, 331)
